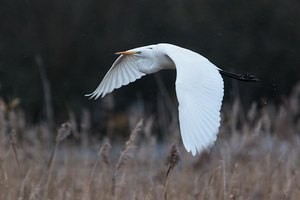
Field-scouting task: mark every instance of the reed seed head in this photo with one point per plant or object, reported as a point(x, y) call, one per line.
point(63, 132)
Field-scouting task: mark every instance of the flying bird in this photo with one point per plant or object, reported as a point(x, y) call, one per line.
point(199, 87)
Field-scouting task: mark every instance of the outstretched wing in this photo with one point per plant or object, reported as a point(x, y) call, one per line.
point(199, 88)
point(123, 71)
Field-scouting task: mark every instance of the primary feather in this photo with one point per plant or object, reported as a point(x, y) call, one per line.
point(123, 71)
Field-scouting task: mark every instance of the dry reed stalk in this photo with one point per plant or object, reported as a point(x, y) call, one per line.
point(235, 115)
point(172, 161)
point(224, 179)
point(284, 124)
point(267, 167)
point(252, 113)
point(13, 142)
point(73, 122)
point(63, 132)
point(129, 146)
point(294, 101)
point(24, 183)
point(104, 153)
point(266, 121)
point(3, 121)
point(46, 90)
point(40, 191)
point(85, 121)
point(126, 154)
point(148, 128)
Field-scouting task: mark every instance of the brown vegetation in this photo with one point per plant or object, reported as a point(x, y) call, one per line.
point(256, 156)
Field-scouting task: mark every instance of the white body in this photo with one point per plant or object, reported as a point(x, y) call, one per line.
point(199, 87)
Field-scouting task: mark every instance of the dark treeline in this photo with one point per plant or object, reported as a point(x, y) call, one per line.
point(73, 42)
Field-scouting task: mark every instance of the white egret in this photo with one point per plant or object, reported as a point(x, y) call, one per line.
point(199, 87)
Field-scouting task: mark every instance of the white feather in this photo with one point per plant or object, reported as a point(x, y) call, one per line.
point(124, 71)
point(199, 88)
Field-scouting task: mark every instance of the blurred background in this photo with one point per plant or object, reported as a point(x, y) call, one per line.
point(52, 52)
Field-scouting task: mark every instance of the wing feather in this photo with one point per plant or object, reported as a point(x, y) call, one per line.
point(124, 74)
point(199, 88)
point(124, 71)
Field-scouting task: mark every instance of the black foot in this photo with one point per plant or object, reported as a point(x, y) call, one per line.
point(242, 77)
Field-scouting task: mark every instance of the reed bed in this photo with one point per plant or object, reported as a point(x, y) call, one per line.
point(256, 156)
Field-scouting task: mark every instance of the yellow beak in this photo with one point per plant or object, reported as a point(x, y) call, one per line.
point(128, 52)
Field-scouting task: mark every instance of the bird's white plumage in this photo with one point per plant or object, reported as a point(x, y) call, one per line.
point(199, 88)
point(124, 71)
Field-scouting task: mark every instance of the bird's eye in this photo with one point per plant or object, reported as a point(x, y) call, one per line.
point(150, 48)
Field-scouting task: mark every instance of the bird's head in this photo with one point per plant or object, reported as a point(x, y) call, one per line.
point(146, 51)
point(150, 58)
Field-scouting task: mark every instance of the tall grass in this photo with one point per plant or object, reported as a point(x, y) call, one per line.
point(256, 156)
